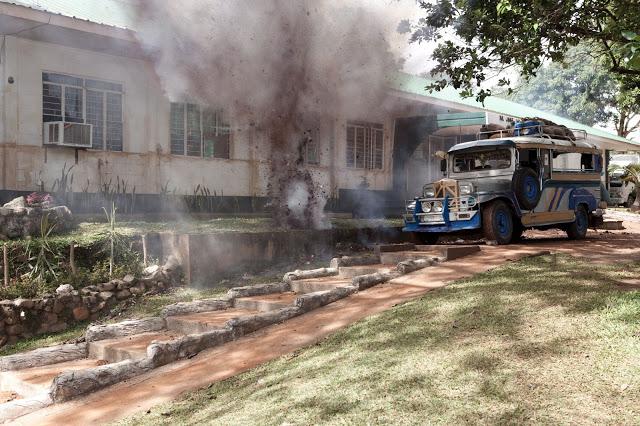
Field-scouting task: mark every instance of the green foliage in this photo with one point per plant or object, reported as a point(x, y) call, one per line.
point(582, 89)
point(42, 269)
point(490, 36)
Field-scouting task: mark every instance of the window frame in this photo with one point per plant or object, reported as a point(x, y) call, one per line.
point(84, 88)
point(219, 124)
point(369, 146)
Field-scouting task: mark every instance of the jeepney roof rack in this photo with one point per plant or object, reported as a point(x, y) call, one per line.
point(538, 130)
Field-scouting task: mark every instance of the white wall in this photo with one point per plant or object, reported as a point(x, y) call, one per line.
point(146, 162)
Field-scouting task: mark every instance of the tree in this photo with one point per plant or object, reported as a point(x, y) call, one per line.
point(480, 39)
point(582, 89)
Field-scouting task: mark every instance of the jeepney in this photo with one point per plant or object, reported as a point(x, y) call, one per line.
point(507, 183)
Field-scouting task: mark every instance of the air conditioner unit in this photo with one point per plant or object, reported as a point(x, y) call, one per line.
point(62, 133)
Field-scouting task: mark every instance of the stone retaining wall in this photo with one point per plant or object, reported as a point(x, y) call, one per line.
point(17, 220)
point(24, 318)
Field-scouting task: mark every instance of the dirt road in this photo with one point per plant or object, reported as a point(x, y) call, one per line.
point(168, 382)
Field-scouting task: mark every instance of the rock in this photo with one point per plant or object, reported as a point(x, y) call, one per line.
point(24, 303)
point(107, 286)
point(362, 282)
point(5, 211)
point(14, 330)
point(44, 356)
point(123, 294)
point(80, 313)
point(50, 318)
point(71, 384)
point(59, 326)
point(3, 237)
point(129, 279)
point(312, 273)
point(105, 295)
point(64, 289)
point(137, 290)
point(150, 270)
point(58, 306)
point(62, 212)
point(19, 202)
point(310, 301)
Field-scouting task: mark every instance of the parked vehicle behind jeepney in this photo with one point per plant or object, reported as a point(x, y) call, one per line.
point(622, 192)
point(504, 185)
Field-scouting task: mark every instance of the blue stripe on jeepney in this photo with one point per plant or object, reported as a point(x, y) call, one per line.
point(555, 194)
point(564, 191)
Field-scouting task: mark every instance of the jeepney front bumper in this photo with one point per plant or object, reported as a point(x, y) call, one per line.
point(442, 214)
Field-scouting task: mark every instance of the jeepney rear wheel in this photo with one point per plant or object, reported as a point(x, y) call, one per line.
point(577, 229)
point(497, 222)
point(428, 238)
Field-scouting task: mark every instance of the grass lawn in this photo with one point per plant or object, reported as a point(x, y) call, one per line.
point(89, 231)
point(544, 340)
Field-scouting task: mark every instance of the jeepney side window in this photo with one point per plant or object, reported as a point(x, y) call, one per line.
point(587, 162)
point(567, 162)
point(529, 158)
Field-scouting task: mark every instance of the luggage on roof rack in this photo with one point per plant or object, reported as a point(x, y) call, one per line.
point(533, 127)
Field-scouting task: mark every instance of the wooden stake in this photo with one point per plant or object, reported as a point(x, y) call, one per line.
point(144, 250)
point(5, 264)
point(72, 257)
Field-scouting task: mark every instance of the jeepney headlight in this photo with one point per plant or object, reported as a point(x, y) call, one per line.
point(466, 188)
point(426, 207)
point(471, 202)
point(437, 206)
point(428, 191)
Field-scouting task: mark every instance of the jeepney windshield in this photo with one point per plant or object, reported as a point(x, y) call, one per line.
point(488, 159)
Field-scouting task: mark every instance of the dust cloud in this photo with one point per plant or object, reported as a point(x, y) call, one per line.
point(274, 65)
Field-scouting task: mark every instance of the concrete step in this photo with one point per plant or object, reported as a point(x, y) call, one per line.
point(401, 256)
point(269, 302)
point(312, 285)
point(450, 252)
point(354, 271)
point(129, 347)
point(205, 321)
point(37, 380)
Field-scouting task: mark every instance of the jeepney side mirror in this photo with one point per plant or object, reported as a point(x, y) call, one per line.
point(443, 165)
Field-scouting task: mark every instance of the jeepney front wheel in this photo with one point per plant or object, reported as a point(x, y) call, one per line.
point(497, 222)
point(577, 230)
point(428, 238)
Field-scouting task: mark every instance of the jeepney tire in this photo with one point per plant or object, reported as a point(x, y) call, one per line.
point(526, 187)
point(577, 229)
point(428, 238)
point(497, 222)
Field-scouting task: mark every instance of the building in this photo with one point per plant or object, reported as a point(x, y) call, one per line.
point(89, 69)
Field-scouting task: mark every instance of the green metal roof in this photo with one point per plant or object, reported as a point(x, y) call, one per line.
point(416, 85)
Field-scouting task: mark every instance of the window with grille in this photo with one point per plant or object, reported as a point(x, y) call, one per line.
point(198, 132)
point(83, 100)
point(365, 145)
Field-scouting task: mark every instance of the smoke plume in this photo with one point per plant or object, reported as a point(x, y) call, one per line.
point(277, 65)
